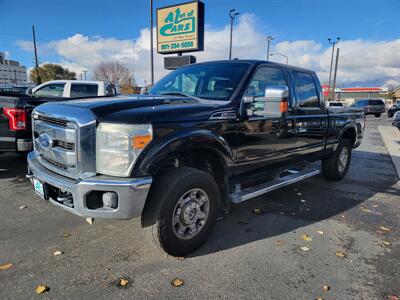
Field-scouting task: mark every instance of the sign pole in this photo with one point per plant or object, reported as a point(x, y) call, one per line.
point(151, 43)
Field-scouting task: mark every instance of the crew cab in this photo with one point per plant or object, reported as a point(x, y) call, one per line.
point(205, 136)
point(75, 88)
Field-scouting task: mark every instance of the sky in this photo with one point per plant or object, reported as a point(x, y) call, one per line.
point(81, 34)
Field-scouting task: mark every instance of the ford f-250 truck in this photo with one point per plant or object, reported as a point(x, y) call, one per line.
point(205, 136)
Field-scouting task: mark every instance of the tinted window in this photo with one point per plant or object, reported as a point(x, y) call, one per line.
point(51, 90)
point(84, 90)
point(264, 77)
point(213, 81)
point(306, 89)
point(376, 102)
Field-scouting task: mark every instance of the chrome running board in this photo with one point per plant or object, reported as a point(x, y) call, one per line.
point(258, 190)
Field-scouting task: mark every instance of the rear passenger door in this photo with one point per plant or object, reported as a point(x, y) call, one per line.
point(311, 116)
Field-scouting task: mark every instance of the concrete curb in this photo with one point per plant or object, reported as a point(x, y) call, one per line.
point(391, 138)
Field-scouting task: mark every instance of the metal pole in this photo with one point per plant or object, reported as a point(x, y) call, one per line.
point(230, 39)
point(151, 43)
point(133, 62)
point(84, 72)
point(330, 69)
point(334, 75)
point(269, 40)
point(285, 56)
point(36, 57)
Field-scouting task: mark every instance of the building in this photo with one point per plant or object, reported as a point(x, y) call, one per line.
point(396, 94)
point(349, 95)
point(11, 72)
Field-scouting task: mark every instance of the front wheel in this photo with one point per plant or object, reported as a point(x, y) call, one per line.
point(336, 165)
point(181, 210)
point(390, 115)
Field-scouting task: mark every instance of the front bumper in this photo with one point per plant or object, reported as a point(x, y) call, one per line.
point(132, 192)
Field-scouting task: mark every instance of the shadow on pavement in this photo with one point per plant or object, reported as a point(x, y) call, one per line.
point(13, 166)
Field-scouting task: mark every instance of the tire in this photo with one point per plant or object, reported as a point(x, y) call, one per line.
point(333, 167)
point(390, 115)
point(377, 115)
point(166, 211)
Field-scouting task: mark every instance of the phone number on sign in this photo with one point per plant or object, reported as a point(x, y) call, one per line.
point(172, 46)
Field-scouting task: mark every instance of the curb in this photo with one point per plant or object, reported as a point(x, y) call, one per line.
point(391, 139)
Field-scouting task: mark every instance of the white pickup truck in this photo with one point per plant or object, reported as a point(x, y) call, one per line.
point(75, 88)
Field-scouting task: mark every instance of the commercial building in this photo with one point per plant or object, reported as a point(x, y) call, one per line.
point(11, 72)
point(352, 94)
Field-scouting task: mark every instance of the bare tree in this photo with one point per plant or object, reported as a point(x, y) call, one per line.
point(114, 72)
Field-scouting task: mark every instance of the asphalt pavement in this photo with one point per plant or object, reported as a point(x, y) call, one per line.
point(352, 237)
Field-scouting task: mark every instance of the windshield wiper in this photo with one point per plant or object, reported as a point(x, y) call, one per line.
point(182, 94)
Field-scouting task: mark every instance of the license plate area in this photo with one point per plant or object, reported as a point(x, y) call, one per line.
point(40, 188)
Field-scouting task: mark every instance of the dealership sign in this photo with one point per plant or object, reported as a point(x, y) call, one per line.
point(180, 28)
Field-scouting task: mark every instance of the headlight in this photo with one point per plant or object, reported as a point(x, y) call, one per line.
point(118, 146)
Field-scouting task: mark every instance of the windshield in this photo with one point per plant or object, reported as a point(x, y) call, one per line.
point(211, 81)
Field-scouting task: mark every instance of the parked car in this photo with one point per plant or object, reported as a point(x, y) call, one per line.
point(205, 136)
point(334, 104)
point(75, 88)
point(396, 120)
point(371, 106)
point(393, 109)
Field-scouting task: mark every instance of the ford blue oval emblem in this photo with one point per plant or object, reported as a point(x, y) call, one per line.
point(45, 140)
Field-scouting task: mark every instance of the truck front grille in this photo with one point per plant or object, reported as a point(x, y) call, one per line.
point(65, 143)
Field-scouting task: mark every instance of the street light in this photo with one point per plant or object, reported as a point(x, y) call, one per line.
point(232, 15)
point(333, 50)
point(269, 40)
point(287, 58)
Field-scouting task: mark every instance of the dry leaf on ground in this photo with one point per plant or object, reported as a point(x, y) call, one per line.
point(306, 237)
point(177, 282)
point(375, 206)
point(220, 218)
point(58, 252)
point(42, 289)
point(386, 243)
point(65, 234)
point(305, 249)
point(123, 282)
point(299, 194)
point(340, 254)
point(22, 207)
point(90, 221)
point(257, 211)
point(387, 229)
point(180, 258)
point(280, 243)
point(320, 232)
point(6, 266)
point(326, 288)
point(303, 201)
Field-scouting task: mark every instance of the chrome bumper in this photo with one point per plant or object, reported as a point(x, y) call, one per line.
point(132, 192)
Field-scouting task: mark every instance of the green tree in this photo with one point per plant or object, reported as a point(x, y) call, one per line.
point(51, 72)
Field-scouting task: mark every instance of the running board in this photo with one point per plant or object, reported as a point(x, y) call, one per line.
point(255, 191)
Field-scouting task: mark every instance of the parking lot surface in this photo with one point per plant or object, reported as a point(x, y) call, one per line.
point(352, 229)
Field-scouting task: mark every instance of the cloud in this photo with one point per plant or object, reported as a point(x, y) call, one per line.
point(361, 61)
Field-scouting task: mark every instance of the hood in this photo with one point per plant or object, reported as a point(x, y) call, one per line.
point(147, 108)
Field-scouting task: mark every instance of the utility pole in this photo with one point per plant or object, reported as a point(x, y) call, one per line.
point(333, 51)
point(269, 40)
point(151, 43)
point(334, 75)
point(232, 15)
point(36, 57)
point(133, 62)
point(84, 72)
point(81, 75)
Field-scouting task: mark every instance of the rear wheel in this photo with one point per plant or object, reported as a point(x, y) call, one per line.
point(377, 115)
point(390, 114)
point(336, 165)
point(181, 210)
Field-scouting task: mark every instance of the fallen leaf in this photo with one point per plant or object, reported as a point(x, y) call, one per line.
point(299, 194)
point(6, 266)
point(90, 220)
point(180, 258)
point(305, 249)
point(319, 298)
point(58, 252)
point(387, 229)
point(326, 288)
point(306, 237)
point(320, 232)
point(386, 243)
point(375, 206)
point(303, 201)
point(123, 282)
point(365, 210)
point(257, 211)
point(177, 282)
point(340, 254)
point(280, 243)
point(220, 218)
point(65, 234)
point(42, 289)
point(23, 207)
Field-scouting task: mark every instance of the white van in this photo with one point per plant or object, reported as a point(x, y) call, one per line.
point(75, 88)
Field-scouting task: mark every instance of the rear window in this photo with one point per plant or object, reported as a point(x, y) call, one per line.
point(84, 90)
point(376, 102)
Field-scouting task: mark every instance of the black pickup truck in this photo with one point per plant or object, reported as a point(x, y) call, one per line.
point(205, 136)
point(15, 121)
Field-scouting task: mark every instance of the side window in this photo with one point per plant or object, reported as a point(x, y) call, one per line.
point(51, 90)
point(84, 90)
point(306, 89)
point(264, 77)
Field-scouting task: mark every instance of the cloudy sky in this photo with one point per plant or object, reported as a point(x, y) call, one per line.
point(80, 34)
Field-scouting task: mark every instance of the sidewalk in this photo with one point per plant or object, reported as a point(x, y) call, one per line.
point(391, 138)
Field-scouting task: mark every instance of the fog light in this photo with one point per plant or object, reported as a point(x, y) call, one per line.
point(110, 200)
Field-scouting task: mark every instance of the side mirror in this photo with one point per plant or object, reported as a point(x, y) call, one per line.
point(274, 103)
point(29, 91)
